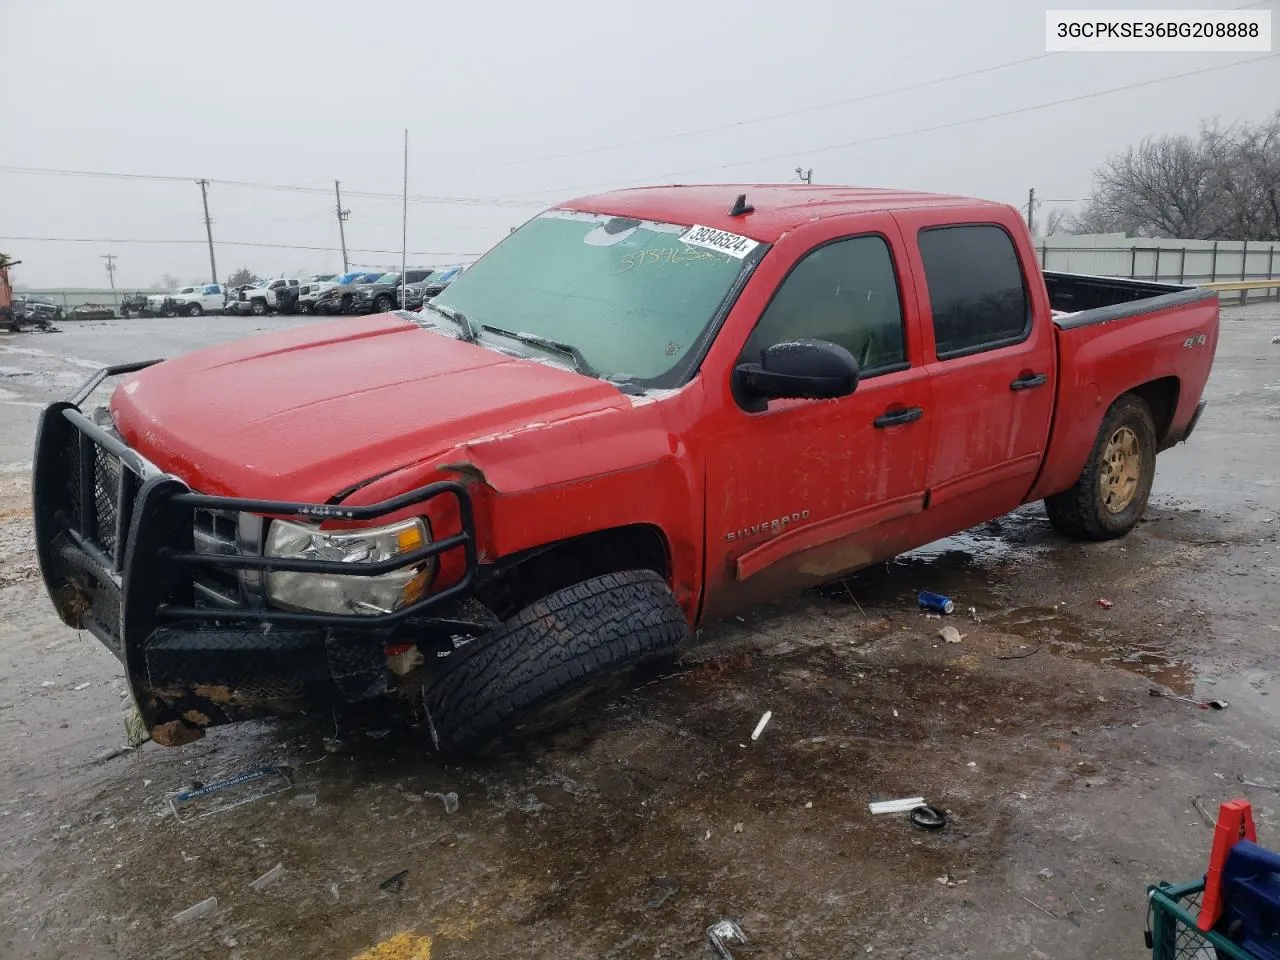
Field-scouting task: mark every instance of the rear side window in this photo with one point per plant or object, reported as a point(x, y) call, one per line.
point(976, 289)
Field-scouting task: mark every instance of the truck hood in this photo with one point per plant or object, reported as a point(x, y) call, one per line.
point(306, 413)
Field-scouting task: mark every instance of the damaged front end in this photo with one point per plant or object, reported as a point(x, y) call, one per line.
point(184, 588)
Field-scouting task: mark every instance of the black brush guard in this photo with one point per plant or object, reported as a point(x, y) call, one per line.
point(115, 537)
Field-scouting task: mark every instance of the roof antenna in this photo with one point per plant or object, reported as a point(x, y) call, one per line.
point(740, 207)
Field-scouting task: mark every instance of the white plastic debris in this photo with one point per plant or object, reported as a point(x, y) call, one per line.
point(896, 806)
point(764, 722)
point(81, 686)
point(450, 800)
point(201, 909)
point(268, 878)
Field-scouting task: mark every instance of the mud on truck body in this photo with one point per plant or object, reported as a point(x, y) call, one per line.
point(639, 412)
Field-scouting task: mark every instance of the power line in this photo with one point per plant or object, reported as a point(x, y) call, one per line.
point(255, 185)
point(894, 136)
point(235, 243)
point(797, 111)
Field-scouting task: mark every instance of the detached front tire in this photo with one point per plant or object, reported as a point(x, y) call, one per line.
point(568, 651)
point(1111, 494)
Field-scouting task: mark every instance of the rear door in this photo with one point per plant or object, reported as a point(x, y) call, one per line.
point(991, 367)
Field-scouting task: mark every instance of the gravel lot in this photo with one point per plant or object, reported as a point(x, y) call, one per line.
point(628, 835)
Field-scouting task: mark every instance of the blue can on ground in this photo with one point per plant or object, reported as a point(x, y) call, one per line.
point(936, 602)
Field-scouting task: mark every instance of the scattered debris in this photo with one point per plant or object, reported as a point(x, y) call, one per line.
point(284, 781)
point(1202, 704)
point(764, 722)
point(201, 909)
point(1047, 913)
point(949, 880)
point(950, 634)
point(935, 602)
point(721, 932)
point(809, 805)
point(1275, 339)
point(972, 763)
point(305, 800)
point(973, 615)
point(738, 827)
point(667, 887)
point(268, 878)
point(47, 684)
point(395, 882)
point(113, 753)
point(450, 800)
point(927, 818)
point(896, 806)
point(1045, 874)
point(1195, 802)
point(1021, 656)
point(1104, 603)
point(81, 686)
point(1254, 783)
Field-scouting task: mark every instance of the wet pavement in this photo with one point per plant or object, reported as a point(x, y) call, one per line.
point(629, 835)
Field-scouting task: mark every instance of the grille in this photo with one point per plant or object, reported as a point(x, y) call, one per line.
point(106, 497)
point(216, 532)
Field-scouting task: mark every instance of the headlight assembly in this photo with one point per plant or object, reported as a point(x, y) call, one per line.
point(342, 593)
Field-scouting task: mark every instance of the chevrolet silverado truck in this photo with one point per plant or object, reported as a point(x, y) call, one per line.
point(640, 412)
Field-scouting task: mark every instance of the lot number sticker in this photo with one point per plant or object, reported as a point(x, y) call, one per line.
point(722, 241)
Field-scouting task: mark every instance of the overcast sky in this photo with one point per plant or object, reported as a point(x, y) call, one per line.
point(296, 94)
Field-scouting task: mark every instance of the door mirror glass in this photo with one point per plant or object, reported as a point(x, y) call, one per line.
point(799, 369)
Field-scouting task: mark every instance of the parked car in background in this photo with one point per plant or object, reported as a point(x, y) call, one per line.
point(416, 294)
point(133, 305)
point(165, 304)
point(266, 297)
point(92, 311)
point(33, 308)
point(309, 289)
point(341, 297)
point(383, 294)
point(209, 298)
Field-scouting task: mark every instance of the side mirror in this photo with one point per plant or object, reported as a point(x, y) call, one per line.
point(799, 369)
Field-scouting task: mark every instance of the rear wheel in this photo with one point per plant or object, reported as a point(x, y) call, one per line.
point(194, 310)
point(557, 657)
point(1111, 494)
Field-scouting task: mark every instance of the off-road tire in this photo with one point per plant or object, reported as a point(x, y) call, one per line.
point(579, 644)
point(1080, 511)
point(194, 310)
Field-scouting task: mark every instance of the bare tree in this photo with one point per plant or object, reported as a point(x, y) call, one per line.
point(1057, 221)
point(1222, 185)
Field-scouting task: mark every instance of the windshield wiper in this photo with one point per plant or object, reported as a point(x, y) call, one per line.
point(580, 362)
point(469, 332)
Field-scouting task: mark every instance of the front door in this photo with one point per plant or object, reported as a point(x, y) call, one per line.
point(804, 490)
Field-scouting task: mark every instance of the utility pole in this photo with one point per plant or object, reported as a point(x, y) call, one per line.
point(342, 233)
point(1031, 212)
point(804, 176)
point(208, 229)
point(111, 275)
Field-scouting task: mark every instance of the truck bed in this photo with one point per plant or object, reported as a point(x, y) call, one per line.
point(1074, 292)
point(1115, 335)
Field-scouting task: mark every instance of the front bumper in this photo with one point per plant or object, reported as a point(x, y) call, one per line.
point(149, 567)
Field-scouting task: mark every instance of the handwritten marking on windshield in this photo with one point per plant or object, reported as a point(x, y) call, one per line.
point(669, 255)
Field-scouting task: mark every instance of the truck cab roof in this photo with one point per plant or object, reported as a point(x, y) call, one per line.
point(777, 208)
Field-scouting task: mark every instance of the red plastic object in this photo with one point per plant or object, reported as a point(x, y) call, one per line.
point(1235, 823)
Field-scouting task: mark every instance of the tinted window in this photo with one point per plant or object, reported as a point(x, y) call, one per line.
point(844, 292)
point(975, 288)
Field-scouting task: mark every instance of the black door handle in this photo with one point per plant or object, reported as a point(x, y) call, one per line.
point(1029, 380)
point(898, 417)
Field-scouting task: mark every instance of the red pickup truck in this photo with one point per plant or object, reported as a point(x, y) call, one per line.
point(639, 412)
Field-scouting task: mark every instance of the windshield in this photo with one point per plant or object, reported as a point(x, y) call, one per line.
point(633, 296)
point(388, 278)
